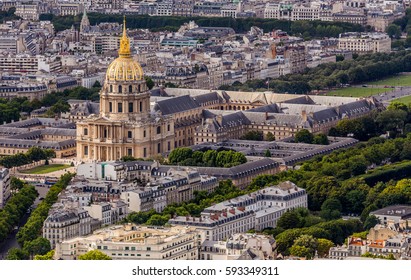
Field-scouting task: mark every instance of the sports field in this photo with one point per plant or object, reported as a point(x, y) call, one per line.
point(358, 91)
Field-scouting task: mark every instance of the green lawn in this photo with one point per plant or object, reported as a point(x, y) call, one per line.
point(358, 91)
point(45, 169)
point(405, 99)
point(399, 81)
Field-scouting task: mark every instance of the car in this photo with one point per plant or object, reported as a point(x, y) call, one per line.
point(41, 198)
point(364, 86)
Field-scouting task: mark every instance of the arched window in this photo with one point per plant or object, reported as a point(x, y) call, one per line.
point(130, 88)
point(120, 89)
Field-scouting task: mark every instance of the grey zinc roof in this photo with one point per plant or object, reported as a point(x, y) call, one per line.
point(271, 108)
point(207, 97)
point(23, 143)
point(176, 105)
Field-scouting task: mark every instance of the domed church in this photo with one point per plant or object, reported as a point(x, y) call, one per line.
point(125, 125)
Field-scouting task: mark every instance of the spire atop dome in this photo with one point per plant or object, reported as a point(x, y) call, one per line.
point(124, 43)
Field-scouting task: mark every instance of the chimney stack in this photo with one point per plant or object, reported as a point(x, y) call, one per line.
point(304, 115)
point(220, 120)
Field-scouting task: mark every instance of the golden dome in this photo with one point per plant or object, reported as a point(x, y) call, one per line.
point(124, 68)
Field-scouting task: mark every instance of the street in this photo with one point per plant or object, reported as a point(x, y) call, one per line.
point(11, 241)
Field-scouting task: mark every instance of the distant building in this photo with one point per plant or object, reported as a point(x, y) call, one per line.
point(364, 42)
point(393, 214)
point(66, 224)
point(240, 246)
point(131, 242)
point(4, 186)
point(257, 210)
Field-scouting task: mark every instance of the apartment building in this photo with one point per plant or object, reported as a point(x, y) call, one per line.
point(5, 192)
point(131, 242)
point(66, 224)
point(257, 210)
point(364, 42)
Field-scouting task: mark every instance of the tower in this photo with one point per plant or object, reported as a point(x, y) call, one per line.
point(85, 23)
point(125, 125)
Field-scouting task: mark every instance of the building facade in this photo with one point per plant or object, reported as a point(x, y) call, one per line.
point(125, 125)
point(4, 187)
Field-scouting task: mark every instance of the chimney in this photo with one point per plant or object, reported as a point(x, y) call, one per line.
point(220, 119)
point(304, 115)
point(232, 211)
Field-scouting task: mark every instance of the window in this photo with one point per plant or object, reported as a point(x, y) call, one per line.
point(139, 88)
point(86, 150)
point(120, 89)
point(130, 107)
point(141, 106)
point(168, 127)
point(158, 129)
point(120, 107)
point(129, 134)
point(144, 133)
point(168, 146)
point(145, 152)
point(105, 133)
point(158, 148)
point(111, 88)
point(130, 88)
point(148, 248)
point(110, 107)
point(85, 131)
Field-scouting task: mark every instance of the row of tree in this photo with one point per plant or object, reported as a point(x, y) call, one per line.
point(29, 236)
point(15, 208)
point(304, 136)
point(395, 121)
point(305, 29)
point(211, 158)
point(362, 69)
point(32, 155)
point(340, 173)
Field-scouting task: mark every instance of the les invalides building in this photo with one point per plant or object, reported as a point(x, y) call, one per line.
point(125, 125)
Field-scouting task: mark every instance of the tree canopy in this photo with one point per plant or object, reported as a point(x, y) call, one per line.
point(94, 255)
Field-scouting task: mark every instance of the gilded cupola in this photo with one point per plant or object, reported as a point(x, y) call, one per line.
point(124, 68)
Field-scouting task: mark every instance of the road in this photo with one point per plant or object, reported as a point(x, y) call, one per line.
point(11, 241)
point(396, 93)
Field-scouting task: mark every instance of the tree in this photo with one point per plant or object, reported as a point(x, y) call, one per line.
point(324, 246)
point(304, 241)
point(267, 153)
point(16, 184)
point(331, 209)
point(301, 251)
point(16, 254)
point(58, 108)
point(270, 137)
point(290, 219)
point(370, 222)
point(320, 139)
point(149, 82)
point(253, 135)
point(394, 31)
point(391, 120)
point(179, 154)
point(304, 136)
point(128, 158)
point(38, 246)
point(94, 255)
point(158, 220)
point(96, 84)
point(48, 256)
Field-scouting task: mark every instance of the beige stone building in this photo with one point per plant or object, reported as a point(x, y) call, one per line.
point(364, 42)
point(131, 242)
point(125, 125)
